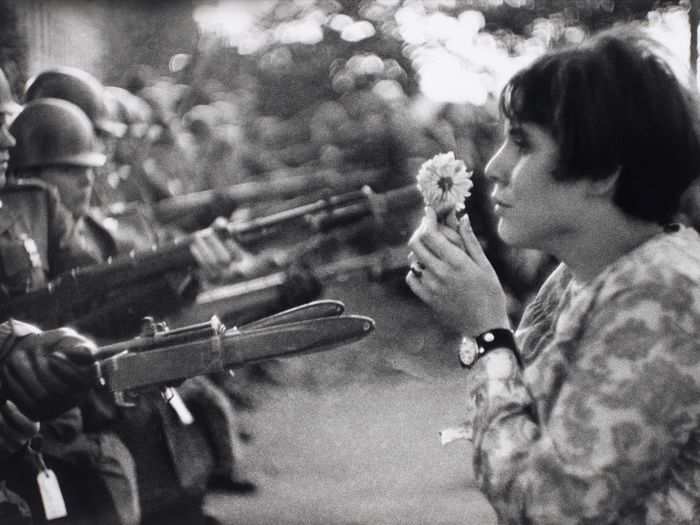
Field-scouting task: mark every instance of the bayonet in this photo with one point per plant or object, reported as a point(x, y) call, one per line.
point(165, 356)
point(312, 310)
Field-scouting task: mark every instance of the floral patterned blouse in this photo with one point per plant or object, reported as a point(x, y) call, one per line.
point(603, 424)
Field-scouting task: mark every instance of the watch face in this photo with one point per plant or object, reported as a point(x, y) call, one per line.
point(468, 351)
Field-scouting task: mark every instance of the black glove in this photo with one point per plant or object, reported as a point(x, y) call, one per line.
point(46, 373)
point(15, 429)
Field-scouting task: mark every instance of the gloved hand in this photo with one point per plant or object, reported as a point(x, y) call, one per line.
point(15, 429)
point(221, 260)
point(45, 373)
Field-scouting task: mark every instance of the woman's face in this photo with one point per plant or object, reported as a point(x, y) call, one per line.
point(534, 210)
point(74, 184)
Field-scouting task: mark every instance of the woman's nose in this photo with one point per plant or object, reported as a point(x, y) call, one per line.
point(497, 169)
point(7, 141)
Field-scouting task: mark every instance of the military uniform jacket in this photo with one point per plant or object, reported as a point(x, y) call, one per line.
point(37, 237)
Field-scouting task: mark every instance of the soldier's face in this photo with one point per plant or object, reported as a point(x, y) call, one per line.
point(7, 141)
point(74, 184)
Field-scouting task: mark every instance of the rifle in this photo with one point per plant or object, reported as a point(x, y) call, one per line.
point(162, 356)
point(234, 301)
point(202, 207)
point(55, 303)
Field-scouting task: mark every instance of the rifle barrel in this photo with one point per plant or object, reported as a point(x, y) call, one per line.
point(278, 186)
point(379, 205)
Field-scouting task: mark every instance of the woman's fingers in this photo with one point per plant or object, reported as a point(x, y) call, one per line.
point(471, 243)
point(426, 260)
point(433, 245)
point(421, 284)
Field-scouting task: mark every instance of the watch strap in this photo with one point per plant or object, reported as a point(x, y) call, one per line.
point(497, 338)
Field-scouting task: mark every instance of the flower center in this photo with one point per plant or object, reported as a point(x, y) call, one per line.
point(445, 184)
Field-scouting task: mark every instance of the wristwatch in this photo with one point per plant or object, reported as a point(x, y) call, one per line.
point(471, 349)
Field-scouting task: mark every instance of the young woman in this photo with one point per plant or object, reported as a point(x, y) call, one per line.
point(590, 412)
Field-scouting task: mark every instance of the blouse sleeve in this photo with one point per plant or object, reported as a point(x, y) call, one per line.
point(627, 402)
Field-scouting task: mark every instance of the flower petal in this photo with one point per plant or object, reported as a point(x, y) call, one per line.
point(444, 182)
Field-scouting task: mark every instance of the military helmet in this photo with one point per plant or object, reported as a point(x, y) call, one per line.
point(8, 104)
point(53, 132)
point(136, 112)
point(116, 106)
point(80, 88)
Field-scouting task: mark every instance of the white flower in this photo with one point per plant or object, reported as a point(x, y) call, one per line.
point(444, 182)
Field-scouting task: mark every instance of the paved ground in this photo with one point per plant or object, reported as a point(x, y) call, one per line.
point(351, 436)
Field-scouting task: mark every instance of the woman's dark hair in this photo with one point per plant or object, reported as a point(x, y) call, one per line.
point(613, 103)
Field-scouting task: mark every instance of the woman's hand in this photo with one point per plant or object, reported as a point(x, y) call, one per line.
point(454, 277)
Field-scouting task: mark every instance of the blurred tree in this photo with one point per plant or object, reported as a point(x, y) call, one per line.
point(308, 45)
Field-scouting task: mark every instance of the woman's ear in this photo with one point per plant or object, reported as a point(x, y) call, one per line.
point(604, 187)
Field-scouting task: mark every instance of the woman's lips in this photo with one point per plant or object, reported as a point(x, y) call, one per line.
point(500, 206)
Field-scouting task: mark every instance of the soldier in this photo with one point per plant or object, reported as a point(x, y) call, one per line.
point(218, 160)
point(86, 92)
point(55, 143)
point(132, 150)
point(169, 165)
point(33, 224)
point(42, 374)
point(31, 220)
point(103, 110)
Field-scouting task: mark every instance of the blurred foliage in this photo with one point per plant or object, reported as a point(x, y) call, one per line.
point(302, 54)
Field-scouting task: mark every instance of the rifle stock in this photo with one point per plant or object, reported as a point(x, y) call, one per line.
point(55, 303)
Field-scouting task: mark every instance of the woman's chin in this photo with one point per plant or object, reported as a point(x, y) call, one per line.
point(511, 235)
point(506, 233)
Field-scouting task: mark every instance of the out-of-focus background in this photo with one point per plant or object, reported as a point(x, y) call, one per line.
point(269, 90)
point(319, 82)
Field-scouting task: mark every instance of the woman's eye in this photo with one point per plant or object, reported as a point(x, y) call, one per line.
point(521, 144)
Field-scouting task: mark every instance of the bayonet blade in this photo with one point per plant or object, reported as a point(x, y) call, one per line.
point(310, 336)
point(304, 312)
